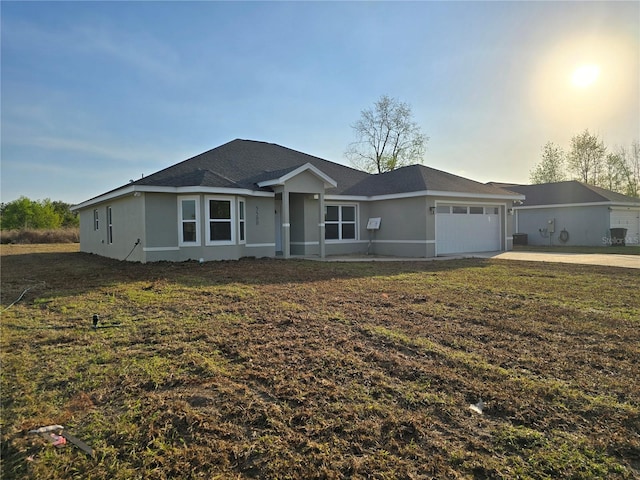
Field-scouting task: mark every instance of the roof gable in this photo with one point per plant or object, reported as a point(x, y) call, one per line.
point(281, 179)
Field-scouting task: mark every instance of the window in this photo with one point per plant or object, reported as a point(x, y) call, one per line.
point(443, 209)
point(476, 210)
point(460, 210)
point(241, 221)
point(492, 210)
point(340, 222)
point(109, 225)
point(189, 219)
point(220, 221)
point(96, 224)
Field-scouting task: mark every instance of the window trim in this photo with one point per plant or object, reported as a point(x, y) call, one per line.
point(341, 222)
point(231, 220)
point(242, 221)
point(96, 220)
point(181, 221)
point(109, 225)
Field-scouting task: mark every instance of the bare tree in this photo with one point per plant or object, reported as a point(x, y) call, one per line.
point(386, 137)
point(615, 174)
point(586, 157)
point(551, 166)
point(630, 165)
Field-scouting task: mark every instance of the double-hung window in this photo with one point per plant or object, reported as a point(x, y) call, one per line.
point(220, 221)
point(189, 221)
point(96, 223)
point(340, 222)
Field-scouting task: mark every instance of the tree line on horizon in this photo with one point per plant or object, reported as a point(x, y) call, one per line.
point(24, 213)
point(588, 160)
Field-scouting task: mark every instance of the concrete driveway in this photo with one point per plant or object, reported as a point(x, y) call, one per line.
point(625, 261)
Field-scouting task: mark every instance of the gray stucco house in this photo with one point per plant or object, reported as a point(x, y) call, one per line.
point(574, 213)
point(254, 199)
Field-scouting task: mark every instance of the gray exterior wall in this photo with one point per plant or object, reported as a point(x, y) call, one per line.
point(127, 215)
point(163, 230)
point(403, 227)
point(407, 226)
point(586, 225)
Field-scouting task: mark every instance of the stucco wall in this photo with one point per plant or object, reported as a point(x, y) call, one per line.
point(127, 215)
point(403, 227)
point(586, 225)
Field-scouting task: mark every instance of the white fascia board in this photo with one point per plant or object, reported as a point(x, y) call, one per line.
point(491, 196)
point(130, 190)
point(569, 205)
point(121, 192)
point(424, 193)
point(329, 182)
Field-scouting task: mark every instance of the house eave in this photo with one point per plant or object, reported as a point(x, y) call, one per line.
point(426, 193)
point(584, 204)
point(133, 189)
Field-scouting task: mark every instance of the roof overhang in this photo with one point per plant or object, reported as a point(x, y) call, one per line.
point(585, 204)
point(137, 189)
point(307, 167)
point(428, 193)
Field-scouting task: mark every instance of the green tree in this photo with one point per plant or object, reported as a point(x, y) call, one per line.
point(26, 213)
point(387, 137)
point(586, 157)
point(68, 218)
point(551, 166)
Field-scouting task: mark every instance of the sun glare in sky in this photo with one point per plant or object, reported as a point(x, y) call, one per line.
point(585, 75)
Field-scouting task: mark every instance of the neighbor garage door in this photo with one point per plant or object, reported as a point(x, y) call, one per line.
point(467, 228)
point(628, 218)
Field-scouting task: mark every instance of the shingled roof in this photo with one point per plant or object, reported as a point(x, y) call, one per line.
point(567, 193)
point(418, 178)
point(245, 163)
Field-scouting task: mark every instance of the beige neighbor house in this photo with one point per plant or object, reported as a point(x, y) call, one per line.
point(254, 199)
point(574, 213)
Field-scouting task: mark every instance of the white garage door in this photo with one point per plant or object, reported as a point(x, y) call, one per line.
point(628, 218)
point(467, 228)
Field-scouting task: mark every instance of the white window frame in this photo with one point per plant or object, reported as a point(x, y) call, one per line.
point(181, 241)
point(341, 222)
point(232, 220)
point(109, 225)
point(96, 220)
point(242, 221)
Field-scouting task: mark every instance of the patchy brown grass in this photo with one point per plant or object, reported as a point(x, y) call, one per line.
point(294, 369)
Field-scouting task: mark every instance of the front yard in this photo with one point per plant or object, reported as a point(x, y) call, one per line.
point(296, 369)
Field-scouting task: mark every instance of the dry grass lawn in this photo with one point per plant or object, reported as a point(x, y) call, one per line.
point(292, 369)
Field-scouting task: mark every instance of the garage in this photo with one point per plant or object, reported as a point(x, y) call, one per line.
point(628, 218)
point(467, 228)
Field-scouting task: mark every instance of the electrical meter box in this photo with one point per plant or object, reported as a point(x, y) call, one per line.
point(373, 223)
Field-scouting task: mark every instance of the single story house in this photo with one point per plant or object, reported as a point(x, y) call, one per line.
point(574, 213)
point(254, 199)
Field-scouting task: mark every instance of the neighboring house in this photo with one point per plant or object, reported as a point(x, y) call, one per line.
point(254, 199)
point(574, 213)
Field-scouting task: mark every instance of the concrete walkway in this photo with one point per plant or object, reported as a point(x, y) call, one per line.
point(625, 261)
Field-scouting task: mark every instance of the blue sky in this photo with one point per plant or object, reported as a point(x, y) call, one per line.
point(95, 94)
